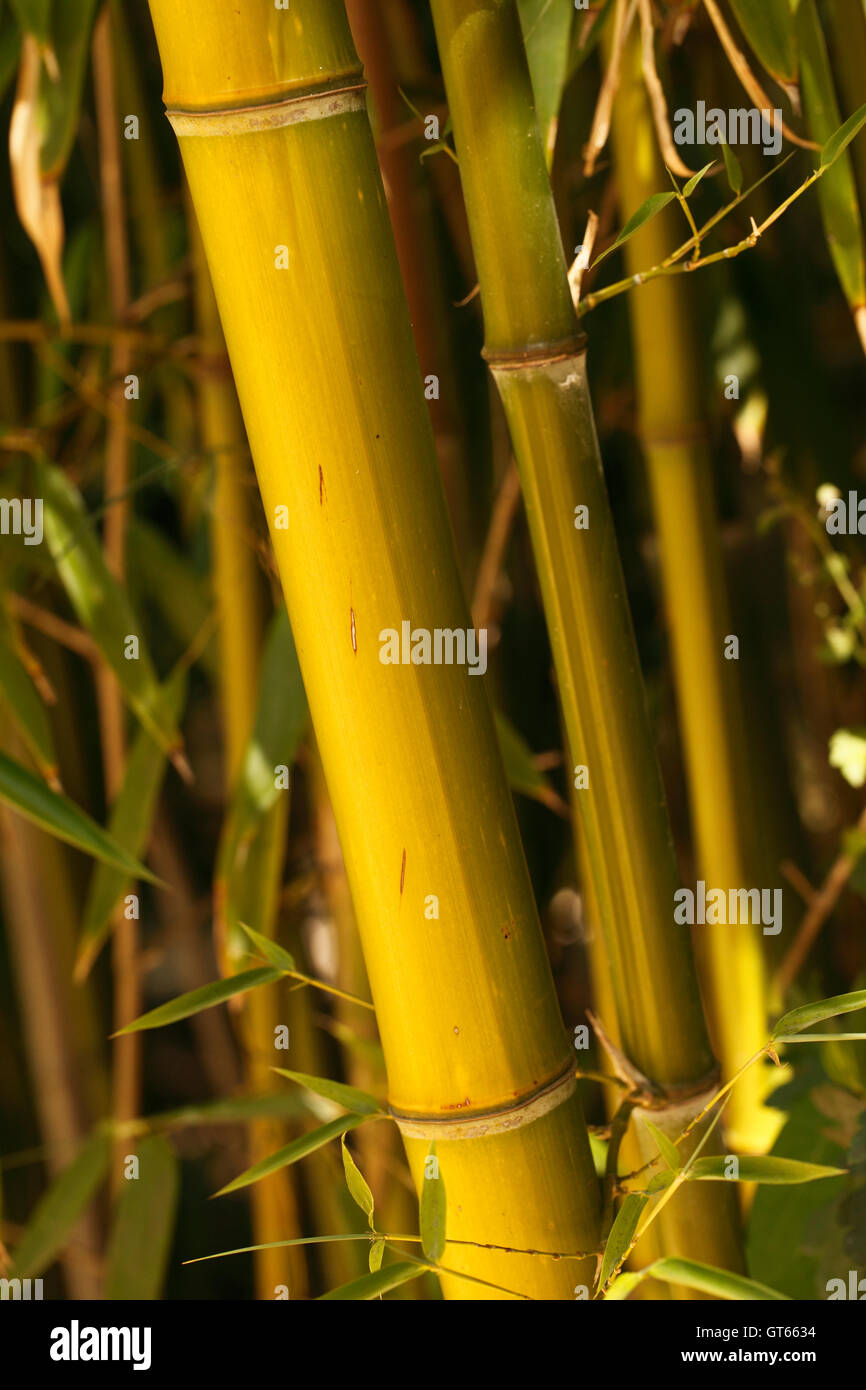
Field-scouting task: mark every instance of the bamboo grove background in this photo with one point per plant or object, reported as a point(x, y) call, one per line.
point(236, 826)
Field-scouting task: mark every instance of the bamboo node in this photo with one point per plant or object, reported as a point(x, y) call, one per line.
point(523, 1110)
point(544, 355)
point(314, 104)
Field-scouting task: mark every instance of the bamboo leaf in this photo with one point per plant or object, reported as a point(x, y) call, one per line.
point(769, 28)
point(767, 1168)
point(520, 769)
point(357, 1183)
point(231, 1110)
point(162, 575)
point(359, 1102)
point(696, 178)
point(377, 1250)
point(621, 1233)
point(59, 816)
point(129, 823)
point(654, 204)
point(547, 36)
point(433, 1211)
point(143, 1225)
point(733, 169)
point(837, 192)
point(197, 1000)
point(807, 1014)
point(299, 1148)
point(60, 95)
point(691, 1274)
point(58, 1211)
point(275, 955)
point(842, 138)
point(102, 605)
point(374, 1285)
point(25, 704)
point(667, 1148)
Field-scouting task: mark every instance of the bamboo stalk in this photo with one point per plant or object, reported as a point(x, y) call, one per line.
point(536, 353)
point(279, 155)
point(674, 437)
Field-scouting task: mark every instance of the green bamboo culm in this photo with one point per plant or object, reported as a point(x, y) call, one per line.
point(282, 168)
point(674, 438)
point(536, 353)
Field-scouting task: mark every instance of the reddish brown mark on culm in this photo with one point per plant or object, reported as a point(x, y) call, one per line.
point(354, 631)
point(402, 873)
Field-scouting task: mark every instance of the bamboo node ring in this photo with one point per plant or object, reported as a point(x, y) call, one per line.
point(497, 1120)
point(543, 355)
point(316, 104)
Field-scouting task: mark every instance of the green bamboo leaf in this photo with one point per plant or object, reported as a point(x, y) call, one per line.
point(842, 138)
point(523, 776)
point(129, 823)
point(357, 1183)
point(837, 192)
point(769, 28)
point(733, 169)
point(433, 1211)
point(779, 1172)
point(547, 30)
point(102, 605)
point(275, 955)
point(621, 1234)
point(807, 1014)
point(667, 1148)
point(690, 1274)
point(143, 1224)
point(696, 178)
point(60, 97)
point(377, 1250)
point(645, 213)
point(197, 1000)
point(231, 1110)
point(359, 1102)
point(25, 704)
point(58, 1211)
point(34, 16)
point(56, 814)
point(372, 1285)
point(299, 1148)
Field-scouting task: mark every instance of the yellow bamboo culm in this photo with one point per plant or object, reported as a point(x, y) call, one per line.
point(675, 443)
point(268, 106)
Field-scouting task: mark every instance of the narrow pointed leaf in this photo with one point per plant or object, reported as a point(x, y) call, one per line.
point(60, 99)
point(377, 1250)
point(299, 1148)
point(357, 1183)
point(143, 1224)
point(733, 169)
point(547, 37)
point(359, 1102)
point(696, 178)
point(129, 823)
point(59, 816)
point(621, 1234)
point(433, 1216)
point(690, 1274)
point(654, 204)
point(101, 604)
point(57, 1213)
point(523, 776)
point(197, 1000)
point(762, 1168)
point(275, 955)
point(807, 1014)
point(769, 28)
point(667, 1148)
point(842, 138)
point(373, 1285)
